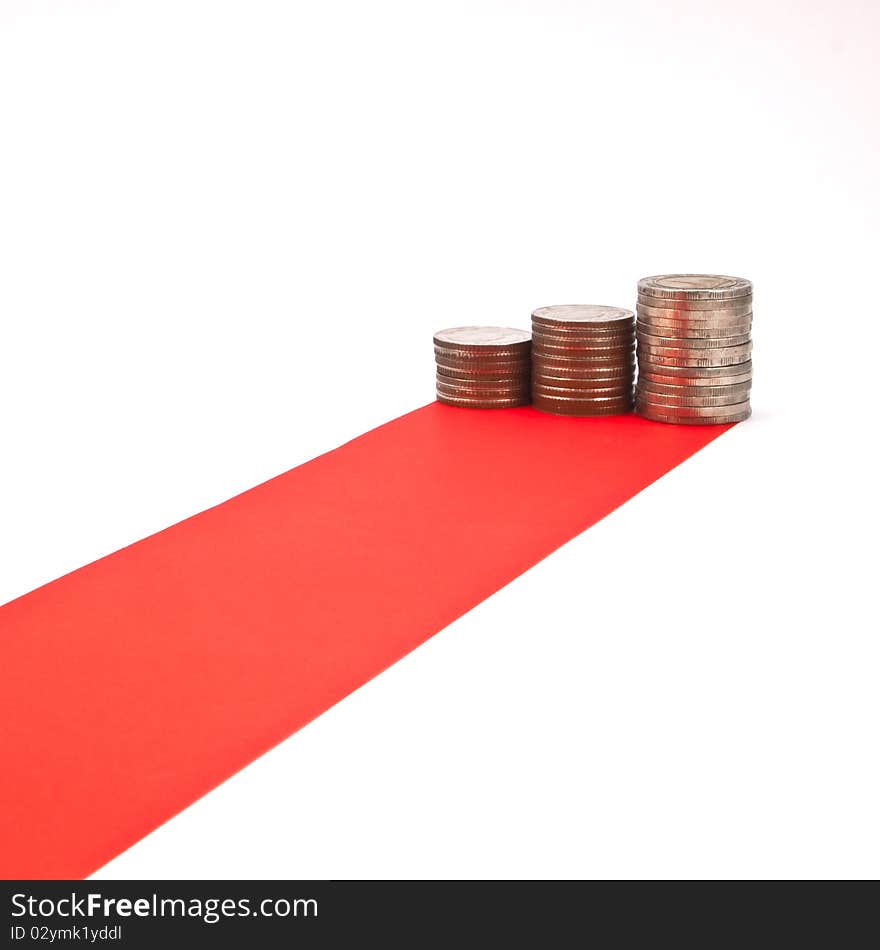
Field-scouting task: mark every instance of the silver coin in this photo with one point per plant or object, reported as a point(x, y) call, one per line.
point(479, 337)
point(556, 407)
point(681, 332)
point(581, 392)
point(505, 390)
point(683, 349)
point(695, 287)
point(724, 356)
point(693, 382)
point(740, 324)
point(661, 400)
point(563, 349)
point(593, 366)
point(513, 398)
point(461, 375)
point(587, 331)
point(573, 382)
point(482, 402)
point(577, 313)
point(621, 401)
point(665, 389)
point(691, 332)
point(584, 371)
point(584, 339)
point(694, 343)
point(489, 356)
point(489, 364)
point(693, 372)
point(574, 360)
point(509, 379)
point(688, 326)
point(453, 374)
point(678, 416)
point(695, 331)
point(584, 397)
point(484, 380)
point(597, 356)
point(694, 410)
point(696, 307)
point(604, 338)
point(692, 318)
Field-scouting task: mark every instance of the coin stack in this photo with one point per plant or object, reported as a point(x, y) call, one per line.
point(582, 360)
point(694, 348)
point(482, 367)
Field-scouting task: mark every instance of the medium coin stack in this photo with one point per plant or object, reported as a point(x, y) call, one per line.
point(694, 348)
point(582, 360)
point(482, 367)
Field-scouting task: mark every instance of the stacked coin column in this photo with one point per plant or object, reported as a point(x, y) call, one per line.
point(482, 367)
point(582, 360)
point(694, 348)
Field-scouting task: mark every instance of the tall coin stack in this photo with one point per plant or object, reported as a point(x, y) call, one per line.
point(694, 348)
point(582, 360)
point(483, 367)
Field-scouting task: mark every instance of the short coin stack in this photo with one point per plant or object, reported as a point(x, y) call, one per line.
point(694, 348)
point(482, 367)
point(582, 360)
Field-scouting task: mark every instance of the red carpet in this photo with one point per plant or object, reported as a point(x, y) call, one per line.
point(136, 684)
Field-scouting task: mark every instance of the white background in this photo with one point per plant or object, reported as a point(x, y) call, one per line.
point(227, 232)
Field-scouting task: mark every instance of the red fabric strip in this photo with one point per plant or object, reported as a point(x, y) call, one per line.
point(134, 685)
